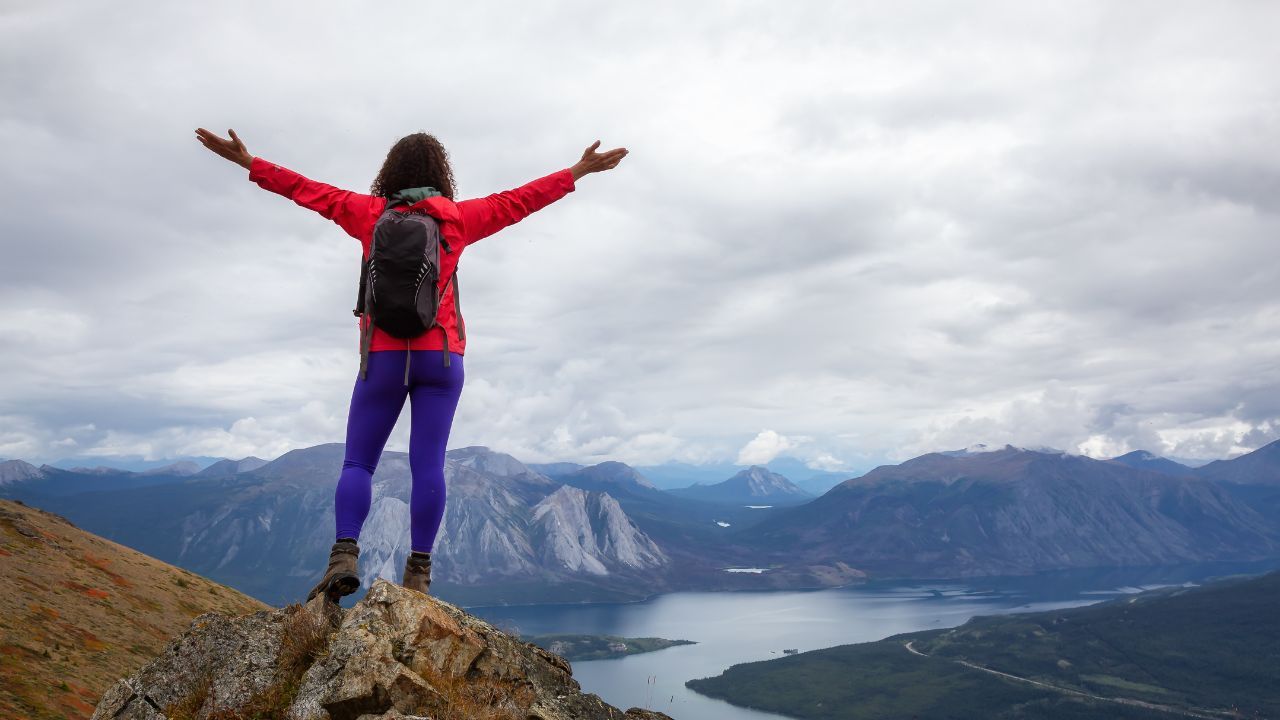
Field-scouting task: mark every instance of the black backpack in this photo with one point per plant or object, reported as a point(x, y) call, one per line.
point(404, 260)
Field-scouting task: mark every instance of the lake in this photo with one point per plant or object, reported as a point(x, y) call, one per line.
point(736, 627)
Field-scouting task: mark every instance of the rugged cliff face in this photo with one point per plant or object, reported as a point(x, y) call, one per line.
point(396, 654)
point(588, 531)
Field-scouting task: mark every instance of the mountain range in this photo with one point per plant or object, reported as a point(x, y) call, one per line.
point(1015, 511)
point(265, 530)
point(564, 532)
point(674, 475)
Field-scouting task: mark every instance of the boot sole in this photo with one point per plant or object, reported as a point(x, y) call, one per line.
point(339, 586)
point(342, 585)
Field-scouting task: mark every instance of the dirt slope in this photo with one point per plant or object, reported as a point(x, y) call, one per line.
point(80, 611)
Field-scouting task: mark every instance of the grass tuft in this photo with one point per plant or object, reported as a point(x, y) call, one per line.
point(303, 639)
point(187, 707)
point(479, 698)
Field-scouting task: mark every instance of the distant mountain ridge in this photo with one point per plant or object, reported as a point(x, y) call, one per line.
point(606, 475)
point(1260, 467)
point(1015, 511)
point(756, 484)
point(1143, 460)
point(674, 475)
point(264, 530)
point(514, 534)
point(15, 471)
point(225, 467)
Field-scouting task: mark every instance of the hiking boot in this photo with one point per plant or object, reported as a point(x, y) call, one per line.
point(340, 578)
point(417, 572)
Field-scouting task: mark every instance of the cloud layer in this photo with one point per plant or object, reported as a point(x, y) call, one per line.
point(871, 231)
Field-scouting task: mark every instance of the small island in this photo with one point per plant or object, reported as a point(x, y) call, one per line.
point(600, 647)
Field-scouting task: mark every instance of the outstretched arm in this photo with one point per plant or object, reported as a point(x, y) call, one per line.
point(352, 211)
point(485, 216)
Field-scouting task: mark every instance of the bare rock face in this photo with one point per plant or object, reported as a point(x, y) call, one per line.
point(15, 471)
point(396, 654)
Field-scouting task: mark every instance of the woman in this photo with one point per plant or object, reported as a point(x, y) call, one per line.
point(416, 172)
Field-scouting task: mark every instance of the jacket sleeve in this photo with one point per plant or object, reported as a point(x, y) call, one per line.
point(352, 211)
point(485, 216)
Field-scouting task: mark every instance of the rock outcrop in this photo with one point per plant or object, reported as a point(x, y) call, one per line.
point(395, 654)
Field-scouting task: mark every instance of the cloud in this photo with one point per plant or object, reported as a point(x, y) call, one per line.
point(765, 446)
point(884, 229)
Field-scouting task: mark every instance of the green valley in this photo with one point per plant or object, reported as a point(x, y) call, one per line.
point(1210, 651)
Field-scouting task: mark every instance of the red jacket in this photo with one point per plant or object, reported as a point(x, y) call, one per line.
point(461, 224)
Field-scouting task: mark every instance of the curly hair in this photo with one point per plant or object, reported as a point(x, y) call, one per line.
point(415, 160)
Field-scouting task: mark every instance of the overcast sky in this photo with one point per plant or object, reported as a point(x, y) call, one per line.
point(844, 232)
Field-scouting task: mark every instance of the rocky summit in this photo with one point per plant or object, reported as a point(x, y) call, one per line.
point(396, 654)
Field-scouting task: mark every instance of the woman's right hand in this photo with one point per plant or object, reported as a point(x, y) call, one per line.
point(232, 149)
point(593, 161)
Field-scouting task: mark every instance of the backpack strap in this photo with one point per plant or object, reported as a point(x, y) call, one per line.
point(407, 354)
point(445, 350)
point(366, 332)
point(457, 307)
point(364, 281)
point(366, 338)
point(462, 335)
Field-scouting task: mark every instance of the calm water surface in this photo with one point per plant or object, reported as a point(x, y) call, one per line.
point(736, 627)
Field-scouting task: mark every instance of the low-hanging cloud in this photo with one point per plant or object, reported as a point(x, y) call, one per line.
point(883, 229)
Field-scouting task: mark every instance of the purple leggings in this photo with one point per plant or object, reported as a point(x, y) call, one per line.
point(376, 402)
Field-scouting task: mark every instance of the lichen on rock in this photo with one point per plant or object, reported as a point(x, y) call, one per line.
point(397, 654)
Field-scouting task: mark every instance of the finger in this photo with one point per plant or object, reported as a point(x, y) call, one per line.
point(210, 137)
point(235, 137)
